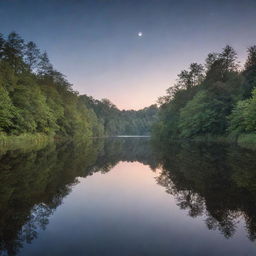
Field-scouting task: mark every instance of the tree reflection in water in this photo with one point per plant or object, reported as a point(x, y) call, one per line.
point(34, 183)
point(212, 180)
point(215, 181)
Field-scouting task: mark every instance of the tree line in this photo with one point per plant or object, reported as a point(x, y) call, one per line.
point(215, 99)
point(122, 122)
point(36, 98)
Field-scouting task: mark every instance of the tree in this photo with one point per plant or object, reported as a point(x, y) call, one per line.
point(14, 51)
point(219, 65)
point(249, 73)
point(202, 115)
point(32, 55)
point(44, 66)
point(7, 111)
point(190, 78)
point(243, 116)
point(229, 59)
point(37, 98)
point(199, 104)
point(210, 60)
point(251, 59)
point(2, 43)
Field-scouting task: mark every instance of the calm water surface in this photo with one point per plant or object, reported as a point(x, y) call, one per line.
point(125, 196)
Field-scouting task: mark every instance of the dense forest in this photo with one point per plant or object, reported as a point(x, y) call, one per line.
point(117, 121)
point(211, 100)
point(36, 98)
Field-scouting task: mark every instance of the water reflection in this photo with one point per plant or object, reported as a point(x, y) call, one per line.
point(33, 183)
point(213, 181)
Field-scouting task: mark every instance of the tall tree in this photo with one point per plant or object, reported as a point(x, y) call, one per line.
point(44, 65)
point(14, 51)
point(2, 43)
point(251, 59)
point(219, 65)
point(250, 72)
point(192, 77)
point(32, 55)
point(229, 59)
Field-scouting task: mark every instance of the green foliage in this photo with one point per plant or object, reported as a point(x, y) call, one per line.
point(8, 112)
point(23, 141)
point(243, 116)
point(250, 72)
point(125, 122)
point(247, 141)
point(35, 98)
point(217, 103)
point(200, 116)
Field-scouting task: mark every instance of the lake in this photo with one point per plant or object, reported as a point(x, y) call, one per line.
point(130, 197)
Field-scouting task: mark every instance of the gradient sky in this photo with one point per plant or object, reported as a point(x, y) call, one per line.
point(95, 43)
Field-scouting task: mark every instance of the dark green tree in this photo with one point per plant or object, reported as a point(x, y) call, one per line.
point(32, 55)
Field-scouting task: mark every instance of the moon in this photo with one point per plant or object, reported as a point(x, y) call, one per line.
point(140, 34)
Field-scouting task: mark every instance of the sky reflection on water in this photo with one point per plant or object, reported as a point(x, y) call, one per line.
point(129, 203)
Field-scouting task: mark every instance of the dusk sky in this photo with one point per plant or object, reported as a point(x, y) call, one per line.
point(96, 44)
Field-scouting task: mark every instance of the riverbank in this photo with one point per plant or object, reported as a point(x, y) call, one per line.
point(247, 141)
point(24, 141)
point(242, 140)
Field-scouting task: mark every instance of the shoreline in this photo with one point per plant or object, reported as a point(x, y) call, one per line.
point(28, 141)
point(24, 141)
point(243, 140)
